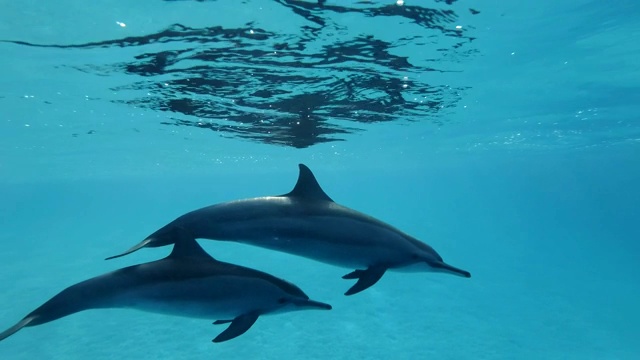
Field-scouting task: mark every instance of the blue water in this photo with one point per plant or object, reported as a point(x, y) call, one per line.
point(525, 173)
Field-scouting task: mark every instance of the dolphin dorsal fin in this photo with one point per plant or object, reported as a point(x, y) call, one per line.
point(307, 186)
point(188, 247)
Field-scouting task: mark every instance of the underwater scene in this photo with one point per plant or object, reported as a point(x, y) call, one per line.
point(328, 179)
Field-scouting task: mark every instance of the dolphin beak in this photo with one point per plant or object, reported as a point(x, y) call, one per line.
point(444, 267)
point(307, 303)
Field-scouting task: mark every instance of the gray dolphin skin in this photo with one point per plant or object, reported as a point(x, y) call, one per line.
point(308, 223)
point(187, 283)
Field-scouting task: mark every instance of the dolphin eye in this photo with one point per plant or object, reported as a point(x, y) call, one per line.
point(282, 301)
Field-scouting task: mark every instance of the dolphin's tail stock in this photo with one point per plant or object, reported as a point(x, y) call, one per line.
point(14, 329)
point(167, 235)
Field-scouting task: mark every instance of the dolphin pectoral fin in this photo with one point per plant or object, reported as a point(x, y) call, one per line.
point(366, 278)
point(238, 326)
point(220, 322)
point(12, 330)
point(137, 247)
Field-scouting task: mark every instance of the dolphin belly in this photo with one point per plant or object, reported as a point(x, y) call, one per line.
point(344, 242)
point(216, 298)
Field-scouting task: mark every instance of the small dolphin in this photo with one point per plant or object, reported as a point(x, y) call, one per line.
point(308, 223)
point(187, 283)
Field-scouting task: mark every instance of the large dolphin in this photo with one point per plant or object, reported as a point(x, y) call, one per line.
point(306, 222)
point(187, 283)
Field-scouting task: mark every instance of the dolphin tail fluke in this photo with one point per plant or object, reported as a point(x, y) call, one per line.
point(137, 247)
point(366, 278)
point(12, 330)
point(238, 326)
